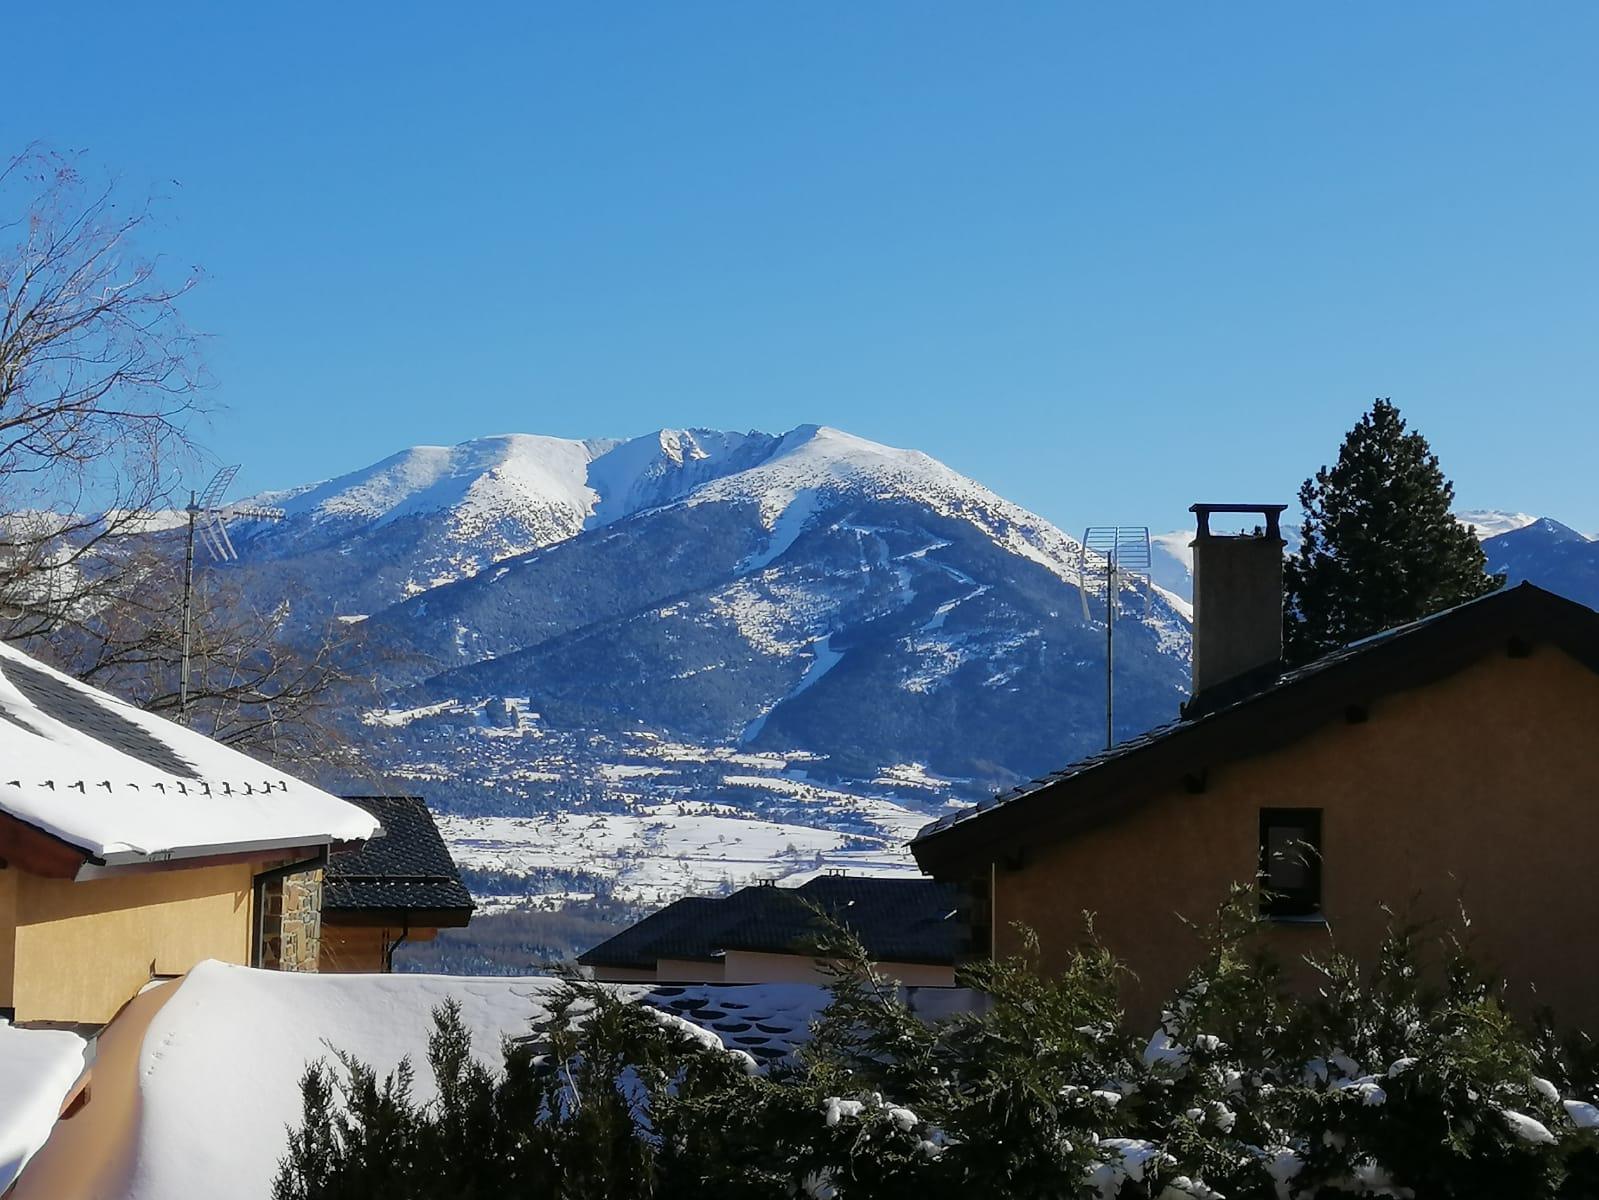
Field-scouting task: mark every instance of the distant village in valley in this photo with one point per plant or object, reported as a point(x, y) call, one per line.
point(875, 604)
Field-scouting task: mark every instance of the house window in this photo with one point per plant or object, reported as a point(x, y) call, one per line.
point(1290, 862)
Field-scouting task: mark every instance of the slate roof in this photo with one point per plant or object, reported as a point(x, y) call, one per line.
point(408, 867)
point(898, 920)
point(1260, 711)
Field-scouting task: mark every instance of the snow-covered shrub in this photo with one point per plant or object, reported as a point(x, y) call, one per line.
point(1406, 1078)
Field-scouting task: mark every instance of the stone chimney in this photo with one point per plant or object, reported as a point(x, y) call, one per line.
point(1238, 595)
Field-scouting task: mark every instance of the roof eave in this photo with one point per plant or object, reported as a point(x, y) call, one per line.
point(455, 917)
point(1523, 617)
point(196, 856)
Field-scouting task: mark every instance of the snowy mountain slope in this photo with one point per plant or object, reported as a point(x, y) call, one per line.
point(838, 597)
point(1550, 554)
point(808, 631)
point(661, 467)
point(1488, 523)
point(430, 515)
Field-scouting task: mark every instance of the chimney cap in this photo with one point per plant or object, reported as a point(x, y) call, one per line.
point(1272, 513)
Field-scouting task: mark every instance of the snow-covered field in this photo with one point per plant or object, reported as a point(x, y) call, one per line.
point(656, 853)
point(631, 819)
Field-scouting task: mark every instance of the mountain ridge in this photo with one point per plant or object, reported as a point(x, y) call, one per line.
point(683, 660)
point(808, 628)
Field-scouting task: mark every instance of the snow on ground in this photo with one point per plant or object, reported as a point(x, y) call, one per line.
point(37, 1070)
point(655, 854)
point(198, 1101)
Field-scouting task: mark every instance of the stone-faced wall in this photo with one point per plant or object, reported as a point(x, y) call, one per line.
point(292, 923)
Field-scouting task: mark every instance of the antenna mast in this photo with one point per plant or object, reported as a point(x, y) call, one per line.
point(1121, 555)
point(208, 517)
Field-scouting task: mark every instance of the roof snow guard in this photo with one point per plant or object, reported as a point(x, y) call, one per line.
point(1251, 714)
point(124, 786)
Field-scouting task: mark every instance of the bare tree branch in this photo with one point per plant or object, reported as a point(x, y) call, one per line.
point(254, 683)
point(99, 381)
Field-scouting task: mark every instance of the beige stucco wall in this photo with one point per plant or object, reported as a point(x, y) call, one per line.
point(1482, 789)
point(83, 949)
point(747, 966)
point(687, 970)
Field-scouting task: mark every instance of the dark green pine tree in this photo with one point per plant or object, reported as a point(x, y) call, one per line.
point(1381, 543)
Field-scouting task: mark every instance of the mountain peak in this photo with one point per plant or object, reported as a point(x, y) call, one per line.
point(1489, 522)
point(1543, 530)
point(433, 478)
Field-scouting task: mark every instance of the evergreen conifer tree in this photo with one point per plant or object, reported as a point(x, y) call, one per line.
point(1381, 543)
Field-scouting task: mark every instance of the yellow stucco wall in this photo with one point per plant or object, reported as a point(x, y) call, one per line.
point(82, 950)
point(1482, 789)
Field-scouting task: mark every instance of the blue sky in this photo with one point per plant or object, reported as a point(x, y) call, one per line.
point(1108, 259)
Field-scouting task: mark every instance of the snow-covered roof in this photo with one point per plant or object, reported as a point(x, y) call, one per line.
point(38, 1068)
point(214, 1084)
point(128, 786)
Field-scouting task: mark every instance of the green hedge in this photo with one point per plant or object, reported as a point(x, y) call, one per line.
point(1393, 1080)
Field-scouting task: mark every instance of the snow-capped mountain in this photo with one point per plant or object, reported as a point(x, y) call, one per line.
point(1489, 523)
point(811, 631)
point(431, 515)
point(837, 597)
point(1550, 554)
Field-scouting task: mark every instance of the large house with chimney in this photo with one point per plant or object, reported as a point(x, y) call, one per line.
point(1444, 765)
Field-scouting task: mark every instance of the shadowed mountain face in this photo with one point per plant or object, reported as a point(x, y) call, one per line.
point(807, 628)
point(658, 667)
point(883, 633)
point(1550, 554)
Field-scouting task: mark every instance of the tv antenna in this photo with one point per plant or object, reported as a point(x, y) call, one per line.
point(208, 519)
point(1120, 555)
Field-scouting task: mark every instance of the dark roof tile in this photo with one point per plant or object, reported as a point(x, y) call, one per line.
point(898, 920)
point(408, 867)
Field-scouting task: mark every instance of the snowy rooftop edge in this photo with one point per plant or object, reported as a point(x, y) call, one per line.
point(126, 785)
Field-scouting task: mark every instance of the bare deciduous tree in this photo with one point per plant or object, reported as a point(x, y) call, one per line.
point(100, 383)
point(256, 683)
